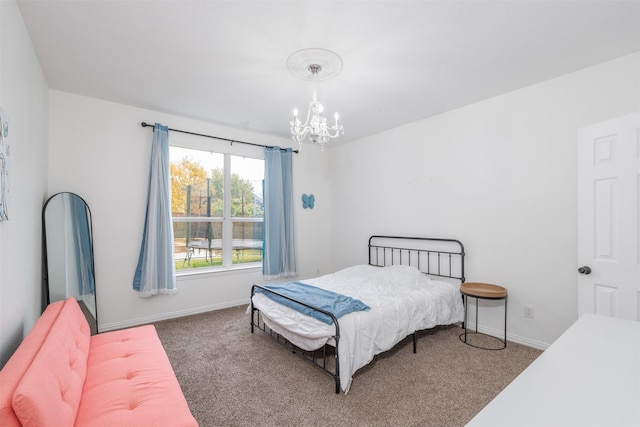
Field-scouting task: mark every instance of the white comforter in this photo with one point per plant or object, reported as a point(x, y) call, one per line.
point(402, 300)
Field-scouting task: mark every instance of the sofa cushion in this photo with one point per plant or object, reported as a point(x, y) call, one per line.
point(50, 391)
point(130, 382)
point(17, 365)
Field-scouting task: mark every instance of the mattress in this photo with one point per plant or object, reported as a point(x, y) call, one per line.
point(402, 300)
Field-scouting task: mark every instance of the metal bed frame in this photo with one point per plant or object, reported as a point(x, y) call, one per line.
point(432, 256)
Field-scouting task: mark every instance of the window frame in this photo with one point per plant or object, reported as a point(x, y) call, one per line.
point(227, 219)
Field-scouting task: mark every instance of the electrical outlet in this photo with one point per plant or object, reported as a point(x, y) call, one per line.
point(528, 311)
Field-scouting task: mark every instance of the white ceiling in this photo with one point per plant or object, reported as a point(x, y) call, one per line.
point(224, 61)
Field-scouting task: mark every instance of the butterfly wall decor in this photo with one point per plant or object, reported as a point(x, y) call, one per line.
point(308, 201)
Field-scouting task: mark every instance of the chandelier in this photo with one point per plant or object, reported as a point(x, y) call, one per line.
point(315, 65)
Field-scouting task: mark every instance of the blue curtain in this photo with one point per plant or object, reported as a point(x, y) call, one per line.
point(279, 257)
point(155, 272)
point(82, 245)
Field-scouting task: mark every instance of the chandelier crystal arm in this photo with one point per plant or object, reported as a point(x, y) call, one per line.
point(315, 126)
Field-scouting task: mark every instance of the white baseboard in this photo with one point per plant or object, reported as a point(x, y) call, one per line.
point(510, 337)
point(104, 327)
point(203, 309)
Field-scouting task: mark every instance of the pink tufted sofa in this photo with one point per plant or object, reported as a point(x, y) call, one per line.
point(62, 376)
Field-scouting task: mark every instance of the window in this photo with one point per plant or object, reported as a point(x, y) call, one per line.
point(218, 209)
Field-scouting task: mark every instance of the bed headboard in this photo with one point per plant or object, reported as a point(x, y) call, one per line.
point(432, 256)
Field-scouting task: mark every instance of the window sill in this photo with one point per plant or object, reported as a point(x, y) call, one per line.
point(204, 273)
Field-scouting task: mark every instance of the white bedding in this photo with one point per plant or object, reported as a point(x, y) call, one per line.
point(402, 300)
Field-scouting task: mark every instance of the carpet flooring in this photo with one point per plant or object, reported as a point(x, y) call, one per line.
point(231, 377)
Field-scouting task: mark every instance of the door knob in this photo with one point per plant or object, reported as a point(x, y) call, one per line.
point(584, 270)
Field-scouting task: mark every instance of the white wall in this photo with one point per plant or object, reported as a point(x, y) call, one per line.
point(23, 96)
point(99, 150)
point(501, 176)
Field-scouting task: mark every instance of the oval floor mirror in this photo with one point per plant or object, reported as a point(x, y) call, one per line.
point(68, 253)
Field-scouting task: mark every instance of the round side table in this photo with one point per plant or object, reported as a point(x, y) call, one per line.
point(483, 291)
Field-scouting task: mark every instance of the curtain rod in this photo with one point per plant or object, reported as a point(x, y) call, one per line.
point(231, 141)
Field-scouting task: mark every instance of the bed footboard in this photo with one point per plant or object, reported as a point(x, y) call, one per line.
point(325, 358)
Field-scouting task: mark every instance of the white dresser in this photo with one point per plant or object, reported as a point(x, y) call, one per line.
point(589, 377)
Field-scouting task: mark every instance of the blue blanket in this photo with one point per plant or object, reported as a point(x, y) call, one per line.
point(334, 303)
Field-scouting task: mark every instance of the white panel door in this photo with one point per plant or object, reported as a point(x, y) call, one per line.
point(609, 218)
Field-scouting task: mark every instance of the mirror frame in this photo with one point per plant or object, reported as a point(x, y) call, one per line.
point(94, 328)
